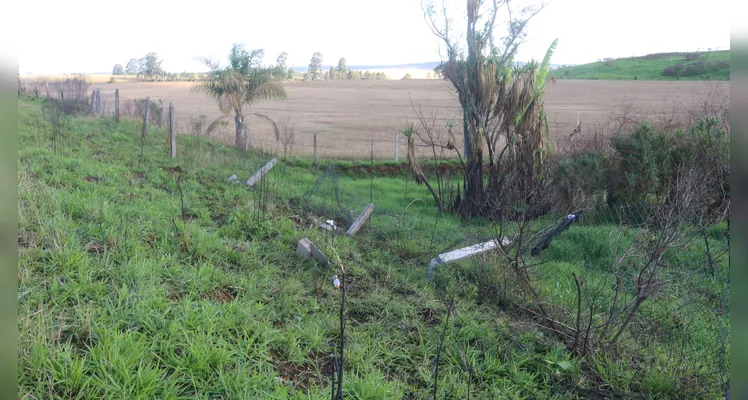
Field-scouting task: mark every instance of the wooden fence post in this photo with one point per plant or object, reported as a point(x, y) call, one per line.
point(93, 102)
point(116, 105)
point(62, 100)
point(315, 148)
point(98, 101)
point(172, 133)
point(145, 117)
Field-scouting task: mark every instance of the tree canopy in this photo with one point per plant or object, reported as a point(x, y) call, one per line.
point(240, 84)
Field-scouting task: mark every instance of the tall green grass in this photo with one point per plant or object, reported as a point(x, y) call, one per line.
point(122, 296)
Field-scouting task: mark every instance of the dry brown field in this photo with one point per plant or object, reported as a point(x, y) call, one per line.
point(348, 116)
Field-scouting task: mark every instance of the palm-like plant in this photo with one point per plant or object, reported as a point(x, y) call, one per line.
point(240, 84)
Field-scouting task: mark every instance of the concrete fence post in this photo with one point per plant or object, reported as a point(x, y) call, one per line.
point(116, 106)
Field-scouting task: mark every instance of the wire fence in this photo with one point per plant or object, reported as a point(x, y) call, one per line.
point(681, 332)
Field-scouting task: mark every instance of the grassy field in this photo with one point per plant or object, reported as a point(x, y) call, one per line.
point(714, 65)
point(349, 118)
point(157, 278)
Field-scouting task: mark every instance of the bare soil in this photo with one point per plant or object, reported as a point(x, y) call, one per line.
point(351, 117)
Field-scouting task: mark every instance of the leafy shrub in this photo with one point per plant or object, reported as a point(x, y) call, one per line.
point(696, 68)
point(644, 163)
point(580, 177)
point(407, 76)
point(709, 147)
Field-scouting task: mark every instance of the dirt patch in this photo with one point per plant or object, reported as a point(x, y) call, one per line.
point(175, 295)
point(225, 294)
point(95, 248)
point(299, 221)
point(302, 376)
point(173, 170)
point(91, 179)
point(150, 240)
point(241, 246)
point(218, 218)
point(25, 241)
point(429, 316)
point(81, 342)
point(189, 216)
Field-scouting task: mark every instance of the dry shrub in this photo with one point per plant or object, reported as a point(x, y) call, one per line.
point(286, 134)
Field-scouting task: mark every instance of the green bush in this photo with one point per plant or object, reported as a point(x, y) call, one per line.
point(644, 163)
point(647, 161)
point(709, 147)
point(580, 177)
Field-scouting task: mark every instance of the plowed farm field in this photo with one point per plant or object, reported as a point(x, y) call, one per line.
point(352, 118)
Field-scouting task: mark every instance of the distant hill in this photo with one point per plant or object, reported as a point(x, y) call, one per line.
point(712, 65)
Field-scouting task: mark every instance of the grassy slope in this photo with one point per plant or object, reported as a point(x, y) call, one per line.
point(111, 306)
point(644, 69)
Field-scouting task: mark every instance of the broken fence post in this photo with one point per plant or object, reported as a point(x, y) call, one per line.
point(328, 225)
point(461, 254)
point(546, 240)
point(306, 248)
point(361, 220)
point(259, 174)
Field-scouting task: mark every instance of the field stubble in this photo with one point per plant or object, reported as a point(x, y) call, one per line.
point(350, 118)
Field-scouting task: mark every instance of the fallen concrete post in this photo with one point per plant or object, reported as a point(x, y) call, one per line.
point(361, 220)
point(306, 249)
point(463, 253)
point(259, 174)
point(328, 225)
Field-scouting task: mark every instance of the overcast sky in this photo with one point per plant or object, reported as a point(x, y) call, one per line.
point(91, 36)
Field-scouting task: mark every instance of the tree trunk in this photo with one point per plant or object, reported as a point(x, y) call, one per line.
point(472, 202)
point(239, 142)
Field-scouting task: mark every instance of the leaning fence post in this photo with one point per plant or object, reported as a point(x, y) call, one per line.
point(145, 117)
point(116, 105)
point(172, 134)
point(315, 148)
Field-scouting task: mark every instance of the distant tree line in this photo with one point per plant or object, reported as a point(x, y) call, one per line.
point(339, 73)
point(149, 68)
